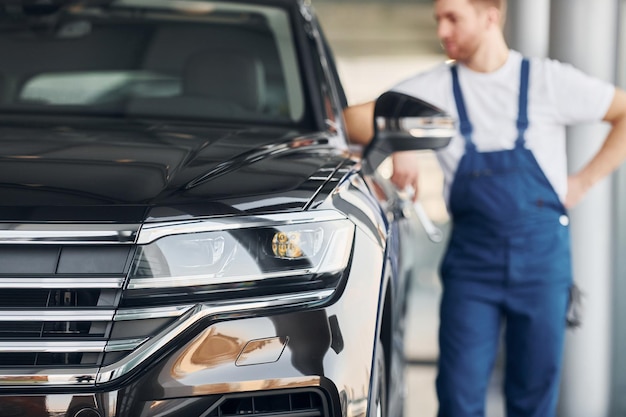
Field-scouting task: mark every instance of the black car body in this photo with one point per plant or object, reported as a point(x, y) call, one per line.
point(184, 230)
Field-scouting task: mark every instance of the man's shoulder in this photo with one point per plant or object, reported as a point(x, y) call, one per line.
point(550, 72)
point(539, 63)
point(577, 97)
point(551, 66)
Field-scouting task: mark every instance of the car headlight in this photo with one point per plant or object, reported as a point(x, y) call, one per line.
point(241, 261)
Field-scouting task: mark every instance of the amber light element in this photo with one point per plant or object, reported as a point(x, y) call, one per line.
point(287, 245)
point(297, 243)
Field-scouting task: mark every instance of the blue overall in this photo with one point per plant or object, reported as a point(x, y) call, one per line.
point(507, 262)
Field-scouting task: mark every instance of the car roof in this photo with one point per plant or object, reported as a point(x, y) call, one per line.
point(50, 4)
point(105, 2)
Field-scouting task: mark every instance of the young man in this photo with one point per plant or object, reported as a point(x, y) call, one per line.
point(507, 189)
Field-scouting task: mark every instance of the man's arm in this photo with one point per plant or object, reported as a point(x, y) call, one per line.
point(609, 157)
point(360, 123)
point(360, 126)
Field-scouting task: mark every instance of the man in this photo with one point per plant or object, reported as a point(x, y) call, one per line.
point(507, 189)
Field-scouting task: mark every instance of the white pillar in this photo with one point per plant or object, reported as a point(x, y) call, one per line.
point(583, 33)
point(527, 26)
point(618, 400)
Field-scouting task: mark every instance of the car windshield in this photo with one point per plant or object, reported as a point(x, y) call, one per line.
point(162, 59)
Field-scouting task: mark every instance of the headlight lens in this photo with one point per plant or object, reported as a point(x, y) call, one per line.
point(243, 255)
point(297, 244)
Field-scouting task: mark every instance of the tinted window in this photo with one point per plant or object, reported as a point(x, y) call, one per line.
point(172, 59)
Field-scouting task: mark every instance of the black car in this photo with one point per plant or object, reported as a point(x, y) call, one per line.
point(184, 230)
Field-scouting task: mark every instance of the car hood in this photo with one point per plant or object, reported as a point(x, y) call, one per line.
point(139, 172)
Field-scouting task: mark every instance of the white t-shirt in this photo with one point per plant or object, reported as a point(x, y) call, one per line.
point(559, 95)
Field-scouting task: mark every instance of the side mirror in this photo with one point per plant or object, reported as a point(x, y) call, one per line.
point(405, 123)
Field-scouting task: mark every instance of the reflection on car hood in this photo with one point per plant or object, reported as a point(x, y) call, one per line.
point(130, 173)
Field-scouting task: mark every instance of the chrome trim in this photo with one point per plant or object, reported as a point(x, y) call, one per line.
point(151, 313)
point(261, 385)
point(420, 127)
point(153, 231)
point(123, 345)
point(199, 312)
point(305, 10)
point(84, 346)
point(53, 282)
point(423, 132)
point(434, 122)
point(67, 233)
point(49, 377)
point(172, 282)
point(79, 346)
point(56, 315)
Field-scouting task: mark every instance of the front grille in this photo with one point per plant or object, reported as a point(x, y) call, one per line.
point(308, 403)
point(10, 297)
point(39, 359)
point(51, 300)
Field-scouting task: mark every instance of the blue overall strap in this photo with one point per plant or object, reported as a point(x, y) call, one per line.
point(464, 122)
point(522, 116)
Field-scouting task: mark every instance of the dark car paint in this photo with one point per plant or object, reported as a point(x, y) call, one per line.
point(157, 172)
point(56, 173)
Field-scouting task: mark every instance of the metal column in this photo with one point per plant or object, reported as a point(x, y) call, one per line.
point(527, 26)
point(618, 400)
point(583, 33)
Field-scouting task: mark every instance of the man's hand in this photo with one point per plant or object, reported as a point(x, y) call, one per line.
point(405, 171)
point(576, 190)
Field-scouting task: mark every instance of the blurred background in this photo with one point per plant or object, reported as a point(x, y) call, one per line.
point(378, 43)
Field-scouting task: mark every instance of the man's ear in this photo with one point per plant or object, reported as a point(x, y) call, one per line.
point(495, 17)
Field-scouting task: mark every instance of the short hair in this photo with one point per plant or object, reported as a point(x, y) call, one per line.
point(498, 4)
